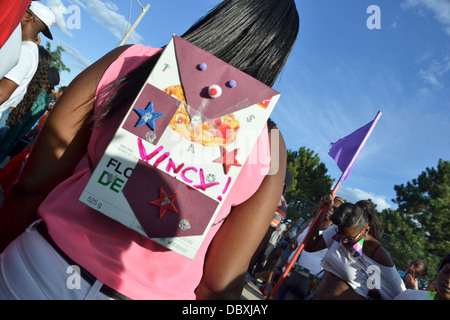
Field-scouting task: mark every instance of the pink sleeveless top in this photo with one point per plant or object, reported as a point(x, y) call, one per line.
point(120, 257)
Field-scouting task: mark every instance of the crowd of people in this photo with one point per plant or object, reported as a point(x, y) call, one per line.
point(344, 258)
point(50, 143)
point(27, 89)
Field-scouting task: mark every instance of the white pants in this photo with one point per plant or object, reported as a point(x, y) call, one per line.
point(31, 269)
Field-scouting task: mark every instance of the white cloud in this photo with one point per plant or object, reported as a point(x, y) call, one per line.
point(81, 62)
point(59, 10)
point(439, 8)
point(436, 71)
point(111, 6)
point(107, 15)
point(354, 195)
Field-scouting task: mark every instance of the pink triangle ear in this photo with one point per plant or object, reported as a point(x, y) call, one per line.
point(359, 246)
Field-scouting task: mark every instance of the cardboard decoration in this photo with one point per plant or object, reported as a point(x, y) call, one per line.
point(247, 91)
point(141, 193)
point(175, 157)
point(162, 104)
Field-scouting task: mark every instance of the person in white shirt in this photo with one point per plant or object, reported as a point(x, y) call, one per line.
point(11, 33)
point(356, 265)
point(10, 51)
point(307, 268)
point(37, 18)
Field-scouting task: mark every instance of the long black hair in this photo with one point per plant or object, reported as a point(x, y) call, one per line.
point(34, 88)
point(372, 216)
point(254, 36)
point(359, 215)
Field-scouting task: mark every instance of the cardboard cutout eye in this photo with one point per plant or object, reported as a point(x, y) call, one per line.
point(202, 66)
point(214, 91)
point(231, 84)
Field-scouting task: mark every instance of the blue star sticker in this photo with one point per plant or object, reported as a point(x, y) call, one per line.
point(148, 116)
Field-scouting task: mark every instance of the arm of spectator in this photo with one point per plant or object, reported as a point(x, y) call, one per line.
point(7, 88)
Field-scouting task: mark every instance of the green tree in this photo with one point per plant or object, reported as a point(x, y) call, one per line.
point(310, 181)
point(56, 57)
point(401, 226)
point(423, 214)
point(309, 175)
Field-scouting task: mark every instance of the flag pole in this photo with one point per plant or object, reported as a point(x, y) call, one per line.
point(302, 245)
point(343, 177)
point(135, 24)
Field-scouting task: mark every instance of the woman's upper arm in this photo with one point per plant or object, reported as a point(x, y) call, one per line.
point(235, 243)
point(58, 149)
point(315, 243)
point(64, 138)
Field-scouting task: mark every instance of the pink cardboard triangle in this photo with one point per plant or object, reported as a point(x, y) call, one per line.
point(199, 70)
point(193, 209)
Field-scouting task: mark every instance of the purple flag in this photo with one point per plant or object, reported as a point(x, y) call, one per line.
point(346, 150)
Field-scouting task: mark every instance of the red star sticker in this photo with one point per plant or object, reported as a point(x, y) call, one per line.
point(165, 203)
point(228, 159)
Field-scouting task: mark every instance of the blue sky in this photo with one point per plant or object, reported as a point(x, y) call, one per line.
point(338, 76)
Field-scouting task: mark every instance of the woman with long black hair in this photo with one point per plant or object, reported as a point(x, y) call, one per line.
point(255, 36)
point(20, 120)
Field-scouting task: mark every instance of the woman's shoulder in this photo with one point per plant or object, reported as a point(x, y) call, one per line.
point(378, 253)
point(126, 53)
